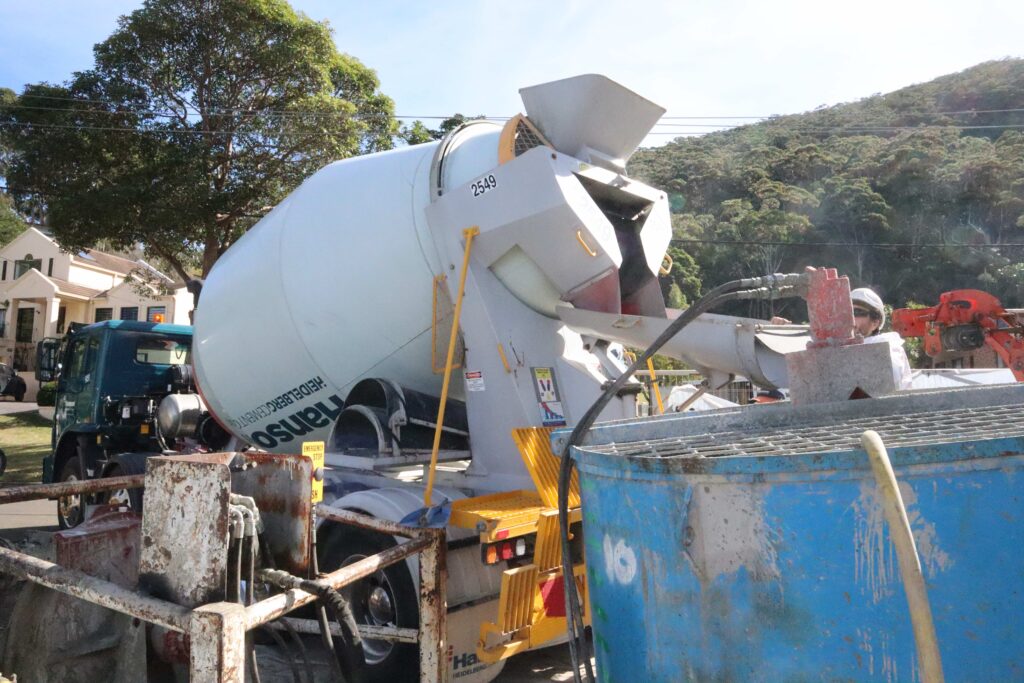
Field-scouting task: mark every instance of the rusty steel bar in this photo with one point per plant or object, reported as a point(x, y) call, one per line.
point(18, 494)
point(366, 522)
point(279, 605)
point(89, 588)
point(312, 626)
point(433, 607)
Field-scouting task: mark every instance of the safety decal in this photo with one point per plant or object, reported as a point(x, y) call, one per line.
point(551, 412)
point(474, 380)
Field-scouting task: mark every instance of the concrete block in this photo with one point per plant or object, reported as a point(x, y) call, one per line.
point(839, 373)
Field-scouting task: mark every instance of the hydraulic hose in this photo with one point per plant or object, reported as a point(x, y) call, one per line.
point(746, 288)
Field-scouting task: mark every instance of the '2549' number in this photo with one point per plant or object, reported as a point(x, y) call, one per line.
point(488, 182)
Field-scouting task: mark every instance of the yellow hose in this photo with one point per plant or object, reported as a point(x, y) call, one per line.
point(928, 660)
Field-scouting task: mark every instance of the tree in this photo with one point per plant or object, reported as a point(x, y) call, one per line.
point(196, 117)
point(11, 224)
point(417, 132)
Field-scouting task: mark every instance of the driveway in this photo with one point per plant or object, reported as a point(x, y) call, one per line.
point(8, 406)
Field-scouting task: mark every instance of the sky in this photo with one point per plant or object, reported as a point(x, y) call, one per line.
point(713, 58)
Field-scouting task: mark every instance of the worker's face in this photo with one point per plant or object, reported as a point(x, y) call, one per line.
point(863, 322)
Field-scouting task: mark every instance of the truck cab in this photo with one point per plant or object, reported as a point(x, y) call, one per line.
point(111, 378)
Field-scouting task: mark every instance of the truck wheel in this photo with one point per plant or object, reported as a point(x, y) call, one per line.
point(129, 498)
point(387, 598)
point(70, 509)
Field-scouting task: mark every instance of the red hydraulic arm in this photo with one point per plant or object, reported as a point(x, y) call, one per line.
point(964, 320)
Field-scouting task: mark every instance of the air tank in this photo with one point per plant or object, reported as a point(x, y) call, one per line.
point(334, 285)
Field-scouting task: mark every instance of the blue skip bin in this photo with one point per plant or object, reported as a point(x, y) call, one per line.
point(750, 544)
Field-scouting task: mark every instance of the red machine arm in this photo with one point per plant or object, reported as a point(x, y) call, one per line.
point(964, 320)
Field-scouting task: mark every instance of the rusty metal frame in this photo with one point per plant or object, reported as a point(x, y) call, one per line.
point(217, 630)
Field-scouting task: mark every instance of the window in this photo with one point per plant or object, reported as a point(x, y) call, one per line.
point(153, 311)
point(3, 322)
point(49, 267)
point(129, 313)
point(162, 351)
point(82, 357)
point(62, 314)
point(26, 264)
point(104, 314)
point(3, 274)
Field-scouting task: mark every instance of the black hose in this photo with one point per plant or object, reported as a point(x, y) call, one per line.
point(351, 653)
point(296, 676)
point(347, 662)
point(765, 286)
point(297, 639)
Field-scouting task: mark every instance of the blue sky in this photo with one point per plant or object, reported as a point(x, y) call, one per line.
point(713, 58)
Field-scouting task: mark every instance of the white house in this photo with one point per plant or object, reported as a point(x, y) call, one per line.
point(43, 290)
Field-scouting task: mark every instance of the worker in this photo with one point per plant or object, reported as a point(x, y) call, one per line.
point(868, 320)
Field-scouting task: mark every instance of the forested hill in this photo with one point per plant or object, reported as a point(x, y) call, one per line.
point(913, 193)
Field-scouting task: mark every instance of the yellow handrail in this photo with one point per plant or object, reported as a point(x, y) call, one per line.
point(654, 386)
point(469, 234)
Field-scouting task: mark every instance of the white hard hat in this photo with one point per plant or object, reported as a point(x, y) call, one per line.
point(868, 299)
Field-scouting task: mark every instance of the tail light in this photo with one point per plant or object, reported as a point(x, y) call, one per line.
point(502, 551)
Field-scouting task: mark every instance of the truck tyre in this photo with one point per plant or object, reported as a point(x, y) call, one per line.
point(70, 509)
point(129, 498)
point(387, 598)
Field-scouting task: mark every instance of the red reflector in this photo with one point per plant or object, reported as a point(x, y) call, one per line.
point(552, 592)
point(507, 551)
point(501, 534)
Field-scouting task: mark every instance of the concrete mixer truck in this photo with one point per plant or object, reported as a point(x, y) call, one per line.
point(330, 321)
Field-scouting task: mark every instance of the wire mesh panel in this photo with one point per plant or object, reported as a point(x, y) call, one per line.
point(905, 429)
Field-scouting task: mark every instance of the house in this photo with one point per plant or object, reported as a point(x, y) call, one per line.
point(43, 290)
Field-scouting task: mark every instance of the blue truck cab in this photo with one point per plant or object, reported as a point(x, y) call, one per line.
point(111, 377)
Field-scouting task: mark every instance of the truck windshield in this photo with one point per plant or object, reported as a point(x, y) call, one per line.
point(162, 351)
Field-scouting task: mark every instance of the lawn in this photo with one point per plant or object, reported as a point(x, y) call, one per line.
point(25, 438)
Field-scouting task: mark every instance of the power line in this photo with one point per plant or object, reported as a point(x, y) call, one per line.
point(192, 110)
point(252, 113)
point(874, 245)
point(241, 130)
point(301, 112)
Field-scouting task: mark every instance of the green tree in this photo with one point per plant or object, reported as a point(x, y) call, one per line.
point(935, 170)
point(681, 285)
point(11, 224)
point(195, 118)
point(417, 132)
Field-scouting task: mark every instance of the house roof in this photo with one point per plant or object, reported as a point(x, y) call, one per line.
point(65, 287)
point(118, 264)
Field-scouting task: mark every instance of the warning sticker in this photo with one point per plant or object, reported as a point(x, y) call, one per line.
point(551, 414)
point(474, 380)
point(544, 384)
point(550, 403)
point(315, 451)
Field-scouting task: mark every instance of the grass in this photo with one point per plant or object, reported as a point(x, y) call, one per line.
point(25, 438)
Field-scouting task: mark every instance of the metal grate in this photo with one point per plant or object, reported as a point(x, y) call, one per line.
point(908, 429)
point(526, 138)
